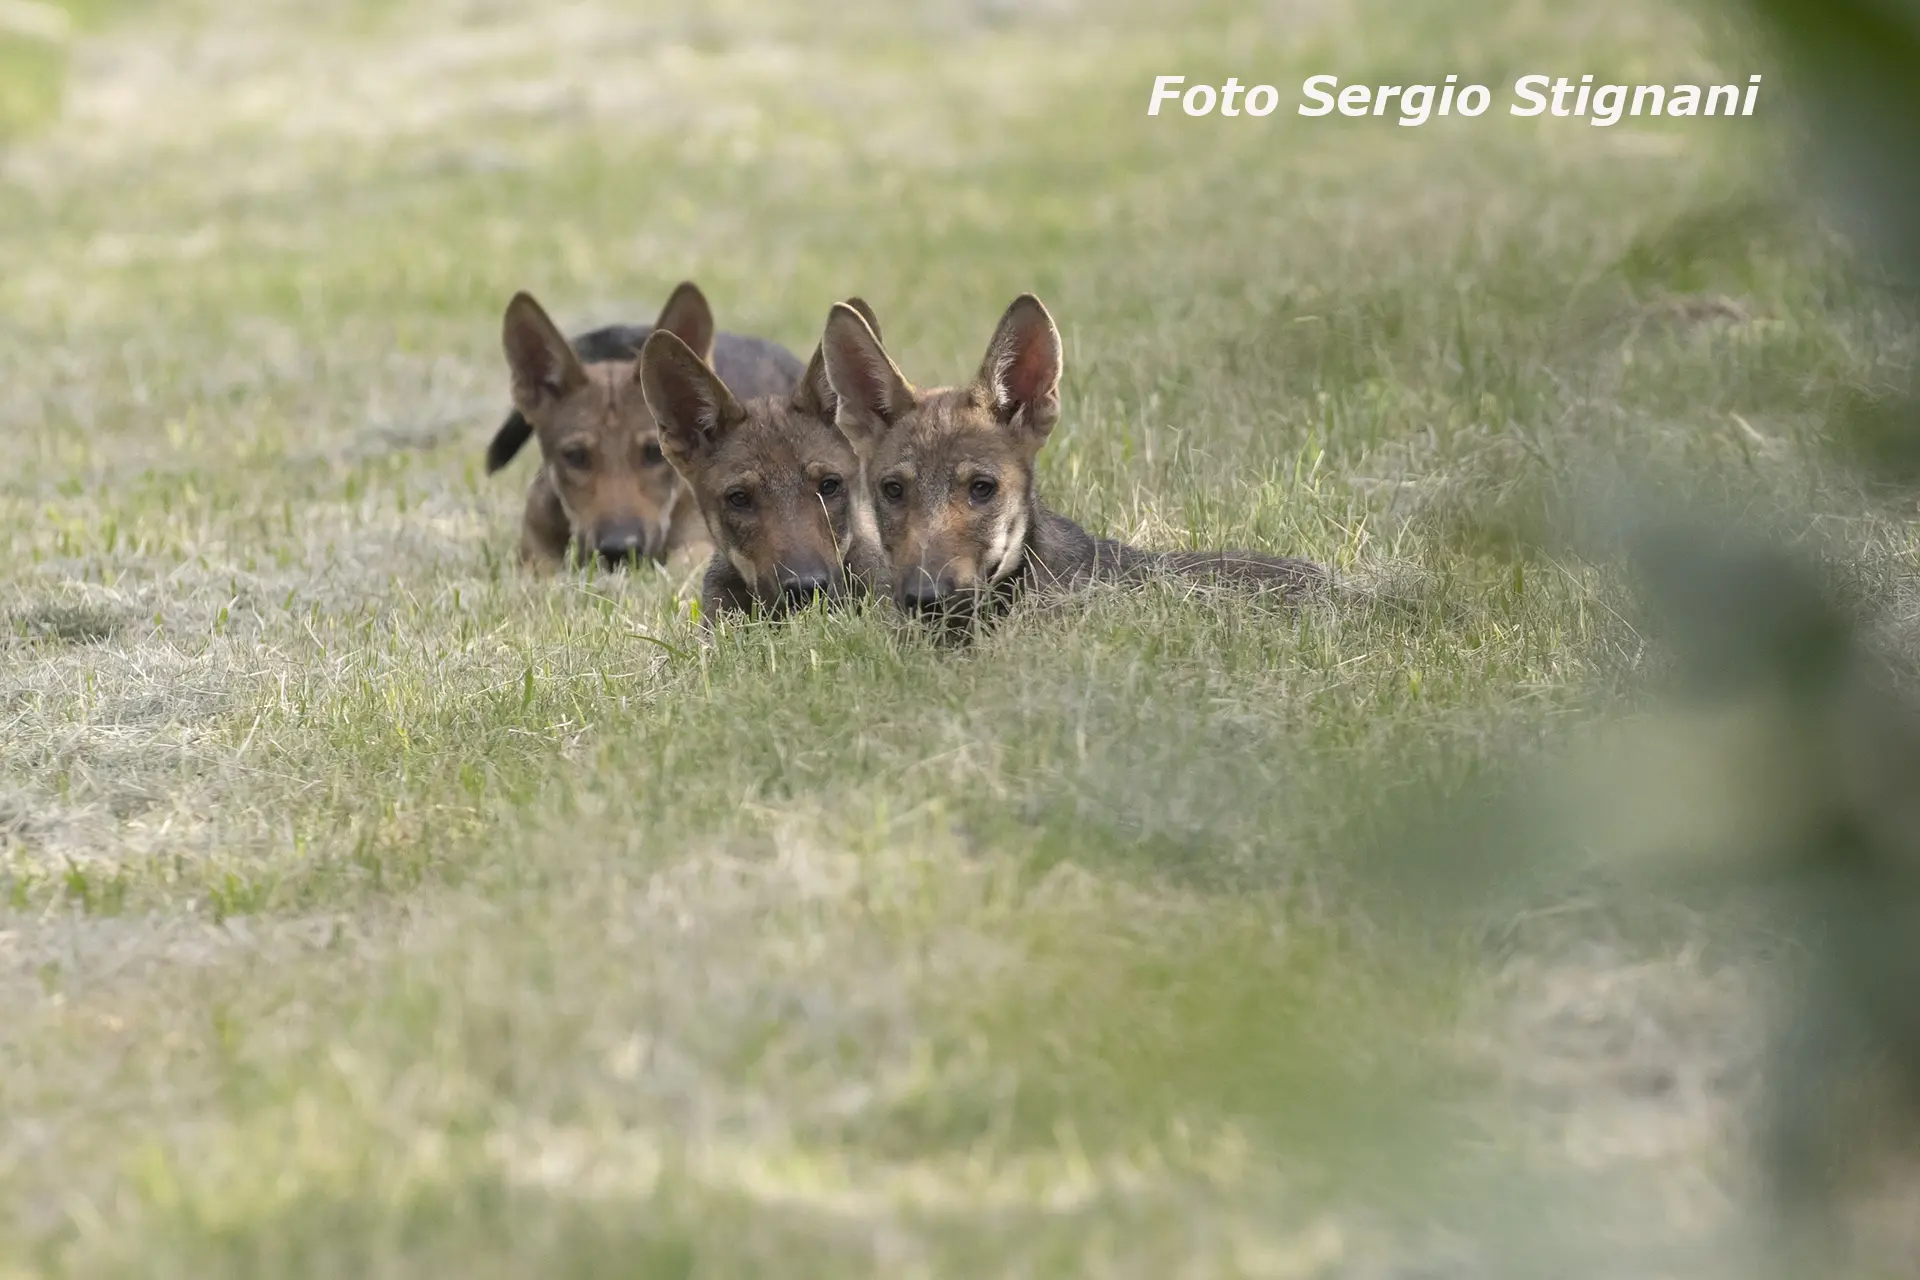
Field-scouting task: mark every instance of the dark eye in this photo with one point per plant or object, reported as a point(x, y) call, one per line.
point(651, 455)
point(983, 489)
point(739, 499)
point(577, 456)
point(893, 491)
point(829, 486)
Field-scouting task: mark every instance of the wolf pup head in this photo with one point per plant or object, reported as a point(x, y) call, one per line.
point(950, 470)
point(776, 481)
point(600, 444)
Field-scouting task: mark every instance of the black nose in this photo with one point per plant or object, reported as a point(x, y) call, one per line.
point(921, 592)
point(623, 544)
point(801, 589)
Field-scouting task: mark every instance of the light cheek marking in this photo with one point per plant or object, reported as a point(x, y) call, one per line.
point(743, 566)
point(997, 547)
point(1010, 547)
point(1009, 540)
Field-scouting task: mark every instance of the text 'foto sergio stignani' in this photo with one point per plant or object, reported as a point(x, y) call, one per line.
point(1412, 105)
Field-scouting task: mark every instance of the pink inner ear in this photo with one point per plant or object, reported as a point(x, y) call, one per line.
point(1033, 366)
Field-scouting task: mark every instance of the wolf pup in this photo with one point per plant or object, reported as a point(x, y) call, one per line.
point(952, 477)
point(779, 486)
point(604, 485)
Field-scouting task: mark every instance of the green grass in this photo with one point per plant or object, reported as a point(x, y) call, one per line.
point(36, 40)
point(372, 909)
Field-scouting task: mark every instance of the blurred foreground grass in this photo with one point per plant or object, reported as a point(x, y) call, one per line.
point(373, 910)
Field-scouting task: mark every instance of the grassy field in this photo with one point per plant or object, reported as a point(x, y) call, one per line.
point(369, 909)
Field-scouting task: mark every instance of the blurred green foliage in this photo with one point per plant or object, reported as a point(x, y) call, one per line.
point(1786, 755)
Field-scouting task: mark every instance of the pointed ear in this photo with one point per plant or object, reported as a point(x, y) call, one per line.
point(869, 392)
point(1021, 373)
point(866, 313)
point(813, 395)
point(689, 402)
point(688, 318)
point(545, 370)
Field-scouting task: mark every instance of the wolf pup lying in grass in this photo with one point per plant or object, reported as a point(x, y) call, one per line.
point(951, 472)
point(604, 484)
point(777, 482)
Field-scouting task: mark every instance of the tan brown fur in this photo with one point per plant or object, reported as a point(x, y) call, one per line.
point(778, 484)
point(951, 473)
point(604, 488)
